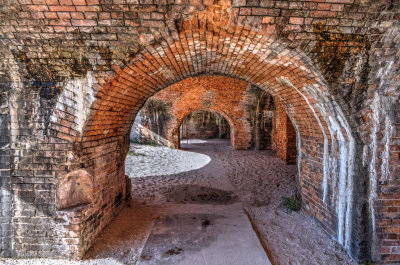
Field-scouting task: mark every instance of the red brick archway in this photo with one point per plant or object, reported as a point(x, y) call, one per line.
point(74, 73)
point(225, 95)
point(216, 42)
point(175, 133)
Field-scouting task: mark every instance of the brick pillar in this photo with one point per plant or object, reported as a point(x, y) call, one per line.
point(284, 135)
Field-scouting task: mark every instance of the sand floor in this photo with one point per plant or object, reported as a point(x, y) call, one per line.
point(259, 179)
point(221, 175)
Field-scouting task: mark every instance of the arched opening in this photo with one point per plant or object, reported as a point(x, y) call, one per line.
point(270, 126)
point(244, 51)
point(305, 99)
point(204, 125)
point(75, 73)
point(156, 186)
point(235, 99)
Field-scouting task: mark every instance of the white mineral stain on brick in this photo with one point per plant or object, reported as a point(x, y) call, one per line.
point(377, 107)
point(325, 164)
point(13, 102)
point(365, 155)
point(350, 156)
point(373, 181)
point(342, 180)
point(389, 129)
point(341, 196)
point(290, 112)
point(78, 95)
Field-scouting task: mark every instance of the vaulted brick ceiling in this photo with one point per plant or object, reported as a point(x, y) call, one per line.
point(210, 42)
point(84, 68)
point(217, 41)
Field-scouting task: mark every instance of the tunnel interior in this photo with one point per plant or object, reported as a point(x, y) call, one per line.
point(204, 125)
point(75, 77)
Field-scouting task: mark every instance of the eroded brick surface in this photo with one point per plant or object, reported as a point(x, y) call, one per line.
point(247, 109)
point(75, 73)
point(74, 189)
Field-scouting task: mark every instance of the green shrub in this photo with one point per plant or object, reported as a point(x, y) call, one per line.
point(292, 203)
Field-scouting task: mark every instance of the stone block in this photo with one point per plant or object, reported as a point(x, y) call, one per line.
point(75, 188)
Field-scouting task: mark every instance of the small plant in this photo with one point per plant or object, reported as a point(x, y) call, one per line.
point(135, 141)
point(152, 143)
point(292, 203)
point(367, 262)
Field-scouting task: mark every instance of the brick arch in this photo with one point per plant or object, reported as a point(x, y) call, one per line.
point(202, 47)
point(222, 94)
point(175, 134)
point(216, 42)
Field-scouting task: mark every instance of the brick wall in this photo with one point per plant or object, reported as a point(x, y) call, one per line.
point(226, 96)
point(77, 72)
point(381, 135)
point(284, 135)
point(5, 166)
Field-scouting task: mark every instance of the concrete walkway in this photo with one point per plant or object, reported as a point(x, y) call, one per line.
point(202, 223)
point(197, 234)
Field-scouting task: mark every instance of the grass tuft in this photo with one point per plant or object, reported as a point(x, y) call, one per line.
point(292, 203)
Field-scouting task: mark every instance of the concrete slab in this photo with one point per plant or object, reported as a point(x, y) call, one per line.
point(195, 234)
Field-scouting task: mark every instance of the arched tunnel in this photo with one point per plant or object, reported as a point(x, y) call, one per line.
point(74, 76)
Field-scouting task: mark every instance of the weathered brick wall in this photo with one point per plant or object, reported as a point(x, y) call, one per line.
point(226, 96)
point(284, 135)
point(5, 165)
point(31, 159)
point(381, 134)
point(77, 72)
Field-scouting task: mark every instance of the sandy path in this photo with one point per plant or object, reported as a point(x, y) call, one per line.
point(259, 179)
point(255, 178)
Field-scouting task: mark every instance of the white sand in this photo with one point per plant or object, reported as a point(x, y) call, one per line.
point(145, 160)
point(260, 180)
point(257, 178)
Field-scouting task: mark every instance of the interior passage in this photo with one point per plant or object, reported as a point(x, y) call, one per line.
point(207, 215)
point(316, 81)
point(204, 124)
